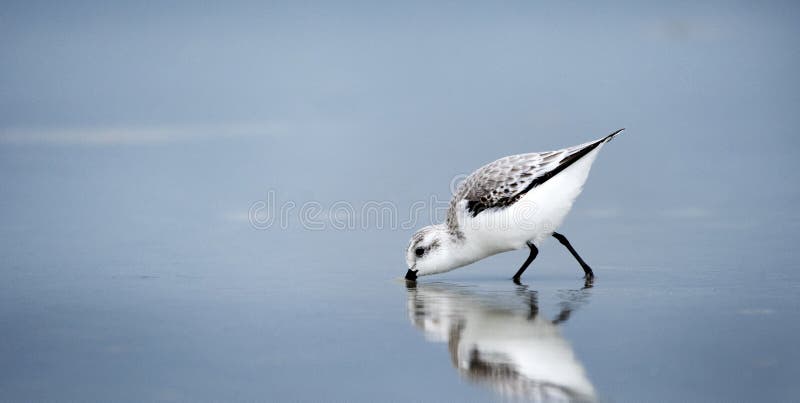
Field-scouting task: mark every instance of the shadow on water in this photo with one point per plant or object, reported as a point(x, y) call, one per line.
point(501, 339)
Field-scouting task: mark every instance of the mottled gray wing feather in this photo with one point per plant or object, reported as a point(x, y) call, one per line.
point(501, 183)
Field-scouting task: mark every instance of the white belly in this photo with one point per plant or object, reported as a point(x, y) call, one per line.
point(533, 218)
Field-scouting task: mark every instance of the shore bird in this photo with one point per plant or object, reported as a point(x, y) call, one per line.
point(512, 203)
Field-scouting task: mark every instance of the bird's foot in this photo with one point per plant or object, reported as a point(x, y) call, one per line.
point(588, 281)
point(588, 271)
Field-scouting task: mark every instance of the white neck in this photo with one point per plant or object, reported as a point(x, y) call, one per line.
point(461, 252)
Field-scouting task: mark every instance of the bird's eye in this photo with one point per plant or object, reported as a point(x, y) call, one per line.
point(419, 252)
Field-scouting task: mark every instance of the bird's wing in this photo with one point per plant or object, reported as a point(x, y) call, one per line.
point(501, 183)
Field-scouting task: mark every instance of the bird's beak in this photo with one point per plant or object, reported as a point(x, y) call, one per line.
point(411, 275)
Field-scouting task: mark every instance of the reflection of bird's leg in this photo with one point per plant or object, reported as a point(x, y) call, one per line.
point(572, 300)
point(533, 304)
point(532, 299)
point(565, 242)
point(534, 252)
point(562, 316)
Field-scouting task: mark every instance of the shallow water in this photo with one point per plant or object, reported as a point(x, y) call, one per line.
point(224, 333)
point(106, 294)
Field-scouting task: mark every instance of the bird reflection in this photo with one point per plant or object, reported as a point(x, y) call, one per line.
point(502, 339)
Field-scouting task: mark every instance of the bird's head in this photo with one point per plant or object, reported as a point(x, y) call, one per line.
point(429, 252)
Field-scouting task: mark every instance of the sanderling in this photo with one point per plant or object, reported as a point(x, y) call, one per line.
point(511, 203)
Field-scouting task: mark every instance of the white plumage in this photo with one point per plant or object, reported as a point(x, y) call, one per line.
point(505, 205)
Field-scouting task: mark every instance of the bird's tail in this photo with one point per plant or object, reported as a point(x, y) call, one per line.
point(608, 138)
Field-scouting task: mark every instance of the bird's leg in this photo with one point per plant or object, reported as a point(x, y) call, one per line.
point(534, 252)
point(565, 242)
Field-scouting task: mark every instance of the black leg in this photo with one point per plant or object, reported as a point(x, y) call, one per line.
point(565, 242)
point(534, 252)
